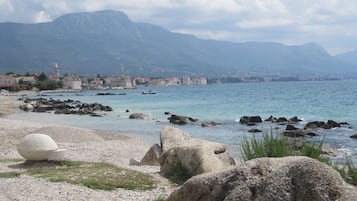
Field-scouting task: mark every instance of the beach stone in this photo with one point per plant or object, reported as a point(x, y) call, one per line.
point(197, 156)
point(152, 156)
point(254, 130)
point(171, 137)
point(36, 147)
point(290, 127)
point(294, 133)
point(294, 119)
point(288, 178)
point(315, 125)
point(333, 124)
point(26, 107)
point(181, 120)
point(250, 119)
point(209, 124)
point(139, 116)
point(324, 125)
point(282, 120)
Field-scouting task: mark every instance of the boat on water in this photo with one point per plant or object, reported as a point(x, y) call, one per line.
point(148, 92)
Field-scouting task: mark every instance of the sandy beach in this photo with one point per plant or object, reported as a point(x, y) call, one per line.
point(81, 145)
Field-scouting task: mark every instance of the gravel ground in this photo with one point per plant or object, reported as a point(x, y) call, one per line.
point(81, 144)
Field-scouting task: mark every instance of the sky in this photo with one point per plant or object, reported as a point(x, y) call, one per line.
point(330, 23)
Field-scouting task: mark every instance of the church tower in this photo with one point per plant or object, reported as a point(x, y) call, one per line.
point(56, 74)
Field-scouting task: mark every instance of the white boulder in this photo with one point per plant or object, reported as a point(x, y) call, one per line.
point(39, 147)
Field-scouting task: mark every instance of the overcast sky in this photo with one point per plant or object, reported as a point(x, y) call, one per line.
point(329, 23)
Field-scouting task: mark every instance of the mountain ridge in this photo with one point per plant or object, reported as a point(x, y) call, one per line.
point(349, 57)
point(102, 41)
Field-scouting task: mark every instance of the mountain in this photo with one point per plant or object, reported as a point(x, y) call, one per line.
point(349, 57)
point(101, 42)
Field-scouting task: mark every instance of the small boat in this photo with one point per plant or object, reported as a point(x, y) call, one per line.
point(148, 92)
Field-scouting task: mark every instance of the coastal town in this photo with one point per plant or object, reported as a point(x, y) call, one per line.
point(14, 82)
point(48, 81)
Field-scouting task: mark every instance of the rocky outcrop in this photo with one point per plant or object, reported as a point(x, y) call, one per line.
point(250, 119)
point(63, 107)
point(196, 156)
point(322, 125)
point(283, 120)
point(181, 120)
point(139, 116)
point(289, 178)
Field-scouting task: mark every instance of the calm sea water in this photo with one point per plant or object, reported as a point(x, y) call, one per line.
point(224, 103)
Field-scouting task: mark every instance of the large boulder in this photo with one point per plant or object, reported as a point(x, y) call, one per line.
point(280, 179)
point(172, 137)
point(39, 147)
point(196, 156)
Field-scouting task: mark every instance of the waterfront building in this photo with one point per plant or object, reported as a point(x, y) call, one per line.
point(72, 82)
point(6, 81)
point(186, 80)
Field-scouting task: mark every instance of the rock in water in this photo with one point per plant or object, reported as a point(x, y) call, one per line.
point(39, 147)
point(288, 178)
point(139, 116)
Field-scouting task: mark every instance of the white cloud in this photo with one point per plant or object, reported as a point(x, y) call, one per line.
point(225, 6)
point(42, 16)
point(6, 5)
point(209, 34)
point(264, 23)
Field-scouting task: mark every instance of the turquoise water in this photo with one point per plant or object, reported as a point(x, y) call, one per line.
point(224, 103)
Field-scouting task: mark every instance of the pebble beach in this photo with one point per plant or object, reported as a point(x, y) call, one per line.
point(82, 145)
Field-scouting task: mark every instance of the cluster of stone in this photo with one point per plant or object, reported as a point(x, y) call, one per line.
point(63, 107)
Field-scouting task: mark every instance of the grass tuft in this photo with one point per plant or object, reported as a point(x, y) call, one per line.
point(9, 174)
point(101, 176)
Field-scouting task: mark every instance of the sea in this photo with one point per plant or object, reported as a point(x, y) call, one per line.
point(222, 103)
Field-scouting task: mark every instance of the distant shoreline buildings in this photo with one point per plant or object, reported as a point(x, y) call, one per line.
point(15, 82)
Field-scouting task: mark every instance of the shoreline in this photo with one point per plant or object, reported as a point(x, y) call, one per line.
point(82, 145)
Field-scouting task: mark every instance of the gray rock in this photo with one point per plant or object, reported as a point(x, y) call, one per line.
point(171, 137)
point(354, 136)
point(197, 156)
point(152, 156)
point(294, 133)
point(278, 179)
point(250, 119)
point(181, 120)
point(254, 130)
point(290, 127)
point(209, 124)
point(139, 116)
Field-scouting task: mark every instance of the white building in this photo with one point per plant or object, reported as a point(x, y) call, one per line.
point(186, 80)
point(72, 82)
